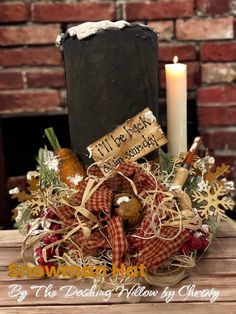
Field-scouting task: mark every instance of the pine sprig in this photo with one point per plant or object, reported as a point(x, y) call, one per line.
point(212, 223)
point(166, 162)
point(191, 184)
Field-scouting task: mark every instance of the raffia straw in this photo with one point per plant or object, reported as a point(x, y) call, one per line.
point(186, 261)
point(166, 279)
point(66, 237)
point(180, 226)
point(83, 211)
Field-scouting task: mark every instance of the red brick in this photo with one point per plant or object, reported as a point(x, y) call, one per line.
point(73, 12)
point(185, 52)
point(217, 116)
point(219, 51)
point(14, 12)
point(220, 139)
point(218, 72)
point(11, 80)
point(201, 7)
point(28, 35)
point(193, 76)
point(46, 78)
point(217, 96)
point(165, 28)
point(205, 29)
point(21, 101)
point(213, 7)
point(30, 56)
point(159, 10)
point(235, 22)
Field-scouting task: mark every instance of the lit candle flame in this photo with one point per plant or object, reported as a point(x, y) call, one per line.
point(175, 59)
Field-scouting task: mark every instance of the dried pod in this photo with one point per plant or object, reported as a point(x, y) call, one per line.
point(129, 208)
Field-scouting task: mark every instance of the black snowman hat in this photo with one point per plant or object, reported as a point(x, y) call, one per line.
point(111, 75)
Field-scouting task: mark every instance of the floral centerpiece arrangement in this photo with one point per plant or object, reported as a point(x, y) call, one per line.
point(135, 215)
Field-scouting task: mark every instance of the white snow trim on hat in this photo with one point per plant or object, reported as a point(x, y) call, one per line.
point(91, 28)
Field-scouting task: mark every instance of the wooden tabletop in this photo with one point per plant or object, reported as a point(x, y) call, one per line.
point(215, 272)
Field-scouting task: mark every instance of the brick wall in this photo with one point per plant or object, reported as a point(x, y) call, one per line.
point(200, 32)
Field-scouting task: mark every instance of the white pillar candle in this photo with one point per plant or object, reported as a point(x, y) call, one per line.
point(176, 91)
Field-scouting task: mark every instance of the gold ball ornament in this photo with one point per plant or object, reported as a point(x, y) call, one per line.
point(129, 208)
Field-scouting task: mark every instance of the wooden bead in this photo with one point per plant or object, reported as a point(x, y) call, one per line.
point(129, 208)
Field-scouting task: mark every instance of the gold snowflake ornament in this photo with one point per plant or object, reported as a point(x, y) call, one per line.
point(212, 201)
point(33, 196)
point(214, 176)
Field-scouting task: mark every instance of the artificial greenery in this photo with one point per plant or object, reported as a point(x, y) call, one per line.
point(47, 176)
point(166, 162)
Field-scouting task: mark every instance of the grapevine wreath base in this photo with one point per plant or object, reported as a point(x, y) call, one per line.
point(132, 216)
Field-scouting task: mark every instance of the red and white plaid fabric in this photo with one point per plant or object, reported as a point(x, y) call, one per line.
point(117, 239)
point(156, 251)
point(66, 214)
point(143, 181)
point(153, 252)
point(118, 183)
point(89, 246)
point(99, 203)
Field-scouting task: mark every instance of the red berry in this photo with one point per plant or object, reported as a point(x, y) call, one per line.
point(28, 227)
point(51, 238)
point(46, 239)
point(50, 252)
point(56, 227)
point(204, 243)
point(55, 237)
point(195, 243)
point(185, 249)
point(38, 251)
point(40, 261)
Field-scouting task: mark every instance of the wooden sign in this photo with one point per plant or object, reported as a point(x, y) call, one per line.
point(132, 140)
